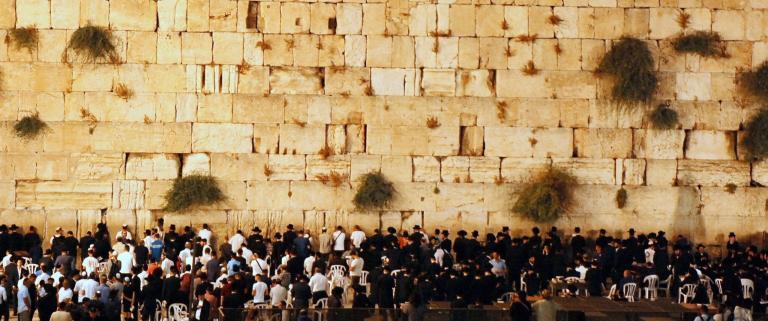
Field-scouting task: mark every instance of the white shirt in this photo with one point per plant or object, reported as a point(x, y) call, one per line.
point(166, 265)
point(308, 264)
point(23, 292)
point(88, 289)
point(318, 283)
point(356, 267)
point(65, 294)
point(185, 257)
point(90, 264)
point(259, 292)
point(277, 294)
point(3, 295)
point(126, 235)
point(247, 255)
point(338, 238)
point(439, 253)
point(148, 241)
point(259, 266)
point(357, 238)
point(126, 262)
point(206, 235)
point(236, 241)
point(6, 260)
point(649, 253)
point(582, 271)
point(43, 277)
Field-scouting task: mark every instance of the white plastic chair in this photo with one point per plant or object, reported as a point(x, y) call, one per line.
point(178, 312)
point(573, 280)
point(318, 315)
point(666, 284)
point(687, 292)
point(747, 288)
point(337, 270)
point(322, 303)
point(31, 268)
point(612, 292)
point(629, 290)
point(506, 298)
point(652, 286)
point(364, 278)
point(160, 312)
point(719, 285)
point(103, 268)
point(262, 311)
point(27, 260)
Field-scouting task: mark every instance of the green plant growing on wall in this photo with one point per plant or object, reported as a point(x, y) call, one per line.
point(547, 197)
point(621, 197)
point(703, 43)
point(374, 192)
point(663, 117)
point(192, 190)
point(92, 44)
point(26, 37)
point(631, 64)
point(30, 127)
point(756, 81)
point(756, 136)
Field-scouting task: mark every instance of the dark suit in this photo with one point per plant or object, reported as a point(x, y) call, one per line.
point(171, 288)
point(385, 285)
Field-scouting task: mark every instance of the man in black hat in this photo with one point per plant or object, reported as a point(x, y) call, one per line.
point(460, 246)
point(85, 243)
point(15, 239)
point(3, 240)
point(289, 235)
point(733, 244)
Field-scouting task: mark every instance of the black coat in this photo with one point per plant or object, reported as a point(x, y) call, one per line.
point(385, 285)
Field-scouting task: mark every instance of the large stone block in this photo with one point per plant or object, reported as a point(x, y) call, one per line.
point(708, 144)
point(508, 141)
point(196, 163)
point(426, 169)
point(222, 138)
point(406, 140)
point(397, 168)
point(63, 195)
point(128, 194)
point(659, 144)
point(152, 166)
point(133, 15)
point(552, 142)
point(712, 172)
point(96, 166)
point(455, 168)
point(523, 170)
point(295, 81)
point(286, 167)
point(603, 143)
point(7, 194)
point(588, 171)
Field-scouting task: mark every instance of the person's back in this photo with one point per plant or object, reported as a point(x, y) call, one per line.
point(545, 309)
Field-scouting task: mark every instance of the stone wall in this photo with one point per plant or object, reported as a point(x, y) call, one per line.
point(231, 88)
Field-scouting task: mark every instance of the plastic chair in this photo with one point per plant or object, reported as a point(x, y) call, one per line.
point(687, 292)
point(178, 312)
point(629, 291)
point(506, 298)
point(612, 292)
point(337, 270)
point(573, 280)
point(322, 303)
point(103, 268)
point(719, 285)
point(31, 268)
point(747, 288)
point(666, 284)
point(160, 312)
point(652, 288)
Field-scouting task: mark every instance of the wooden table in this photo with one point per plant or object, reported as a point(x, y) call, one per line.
point(639, 310)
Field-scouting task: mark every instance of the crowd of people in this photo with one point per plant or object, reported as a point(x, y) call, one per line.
point(105, 276)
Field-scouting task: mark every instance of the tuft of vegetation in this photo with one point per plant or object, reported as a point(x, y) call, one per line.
point(93, 43)
point(702, 43)
point(436, 190)
point(528, 38)
point(498, 180)
point(756, 136)
point(375, 192)
point(243, 68)
point(547, 197)
point(621, 197)
point(663, 117)
point(264, 45)
point(501, 110)
point(333, 179)
point(504, 25)
point(631, 64)
point(730, 188)
point(325, 151)
point(299, 122)
point(558, 49)
point(432, 122)
point(87, 116)
point(122, 91)
point(193, 190)
point(530, 69)
point(268, 171)
point(26, 37)
point(683, 19)
point(756, 81)
point(30, 127)
point(555, 20)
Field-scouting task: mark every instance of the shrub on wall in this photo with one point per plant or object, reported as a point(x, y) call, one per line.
point(374, 192)
point(702, 43)
point(547, 197)
point(631, 64)
point(663, 117)
point(621, 197)
point(193, 190)
point(30, 127)
point(93, 43)
point(756, 136)
point(756, 81)
point(26, 37)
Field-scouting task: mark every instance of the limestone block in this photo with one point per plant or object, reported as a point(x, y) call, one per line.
point(477, 83)
point(709, 144)
point(50, 45)
point(248, 167)
point(336, 139)
point(663, 22)
point(661, 172)
point(569, 27)
point(469, 53)
point(574, 113)
point(544, 55)
point(172, 15)
point(269, 17)
point(603, 143)
point(426, 169)
point(154, 194)
point(198, 15)
point(295, 81)
point(266, 139)
point(65, 14)
point(425, 51)
point(755, 25)
point(471, 197)
point(298, 139)
point(729, 23)
point(455, 169)
point(513, 83)
point(95, 12)
point(712, 172)
point(406, 140)
point(493, 54)
point(508, 141)
point(693, 86)
point(753, 200)
point(214, 108)
point(393, 82)
point(223, 15)
point(129, 137)
point(423, 19)
point(196, 163)
point(447, 52)
point(96, 166)
point(286, 167)
point(17, 166)
point(93, 77)
point(278, 50)
point(484, 169)
point(142, 47)
point(462, 20)
point(364, 164)
point(492, 20)
point(128, 194)
point(592, 51)
point(347, 81)
point(227, 48)
point(416, 196)
point(322, 18)
point(472, 141)
point(374, 18)
point(397, 168)
point(133, 15)
point(62, 195)
point(33, 13)
point(659, 144)
point(438, 82)
point(573, 84)
point(309, 195)
point(552, 142)
point(609, 23)
point(36, 76)
point(268, 195)
point(523, 170)
point(349, 18)
point(516, 18)
point(197, 48)
point(306, 50)
point(258, 109)
point(152, 166)
point(634, 172)
point(588, 171)
point(331, 52)
point(294, 17)
point(7, 14)
point(222, 138)
point(316, 165)
point(254, 81)
point(168, 48)
point(186, 107)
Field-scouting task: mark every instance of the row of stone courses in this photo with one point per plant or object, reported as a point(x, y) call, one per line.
point(735, 19)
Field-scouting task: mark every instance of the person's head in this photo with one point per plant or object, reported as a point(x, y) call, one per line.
point(545, 294)
point(337, 292)
point(577, 230)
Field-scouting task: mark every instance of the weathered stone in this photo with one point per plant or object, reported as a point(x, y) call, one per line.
point(197, 163)
point(222, 138)
point(603, 143)
point(588, 171)
point(712, 173)
point(523, 170)
point(285, 167)
point(128, 194)
point(152, 166)
point(426, 169)
point(659, 144)
point(706, 144)
point(63, 195)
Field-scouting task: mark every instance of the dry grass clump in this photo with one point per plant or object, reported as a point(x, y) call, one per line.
point(30, 127)
point(333, 179)
point(730, 188)
point(756, 136)
point(547, 197)
point(631, 64)
point(663, 117)
point(527, 38)
point(501, 110)
point(26, 37)
point(375, 192)
point(683, 19)
point(756, 81)
point(432, 122)
point(87, 116)
point(621, 198)
point(530, 69)
point(555, 20)
point(264, 45)
point(267, 171)
point(122, 91)
point(243, 68)
point(325, 151)
point(93, 43)
point(192, 190)
point(702, 43)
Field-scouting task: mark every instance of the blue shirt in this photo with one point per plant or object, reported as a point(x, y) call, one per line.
point(157, 249)
point(23, 293)
point(231, 266)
